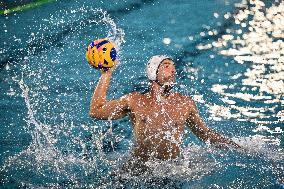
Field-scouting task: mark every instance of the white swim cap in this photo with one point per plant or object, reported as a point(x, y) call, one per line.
point(153, 65)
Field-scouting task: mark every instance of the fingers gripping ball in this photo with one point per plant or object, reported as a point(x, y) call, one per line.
point(101, 54)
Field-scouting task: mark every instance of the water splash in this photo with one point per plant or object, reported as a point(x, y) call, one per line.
point(61, 153)
point(66, 152)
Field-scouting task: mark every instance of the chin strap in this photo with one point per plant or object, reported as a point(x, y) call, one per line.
point(158, 83)
point(167, 87)
point(167, 83)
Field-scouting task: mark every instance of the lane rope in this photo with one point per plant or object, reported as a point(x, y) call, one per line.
point(25, 6)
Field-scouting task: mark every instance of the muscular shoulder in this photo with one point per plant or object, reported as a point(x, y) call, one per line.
point(190, 101)
point(135, 95)
point(183, 98)
point(187, 101)
point(130, 98)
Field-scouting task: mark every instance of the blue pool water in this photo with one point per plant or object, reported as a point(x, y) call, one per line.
point(229, 58)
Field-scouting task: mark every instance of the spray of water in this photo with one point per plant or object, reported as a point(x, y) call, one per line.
point(57, 152)
point(65, 152)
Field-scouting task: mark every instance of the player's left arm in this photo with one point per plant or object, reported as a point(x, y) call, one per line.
point(199, 128)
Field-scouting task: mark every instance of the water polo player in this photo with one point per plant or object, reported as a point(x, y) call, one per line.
point(159, 116)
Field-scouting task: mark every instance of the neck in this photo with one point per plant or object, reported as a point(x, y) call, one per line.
point(157, 90)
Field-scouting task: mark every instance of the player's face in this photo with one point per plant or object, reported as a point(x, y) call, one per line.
point(166, 72)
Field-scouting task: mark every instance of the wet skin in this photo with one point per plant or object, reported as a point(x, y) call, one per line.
point(158, 126)
point(158, 117)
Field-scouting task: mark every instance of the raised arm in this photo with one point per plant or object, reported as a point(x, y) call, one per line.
point(199, 128)
point(100, 108)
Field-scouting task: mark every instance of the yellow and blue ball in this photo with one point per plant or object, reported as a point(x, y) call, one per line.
point(101, 54)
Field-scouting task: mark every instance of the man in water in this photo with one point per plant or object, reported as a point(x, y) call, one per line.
point(159, 116)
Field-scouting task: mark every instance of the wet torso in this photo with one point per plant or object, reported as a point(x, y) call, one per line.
point(158, 125)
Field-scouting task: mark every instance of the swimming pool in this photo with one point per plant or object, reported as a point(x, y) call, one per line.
point(229, 59)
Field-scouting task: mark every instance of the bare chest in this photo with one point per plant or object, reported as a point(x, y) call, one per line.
point(159, 116)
